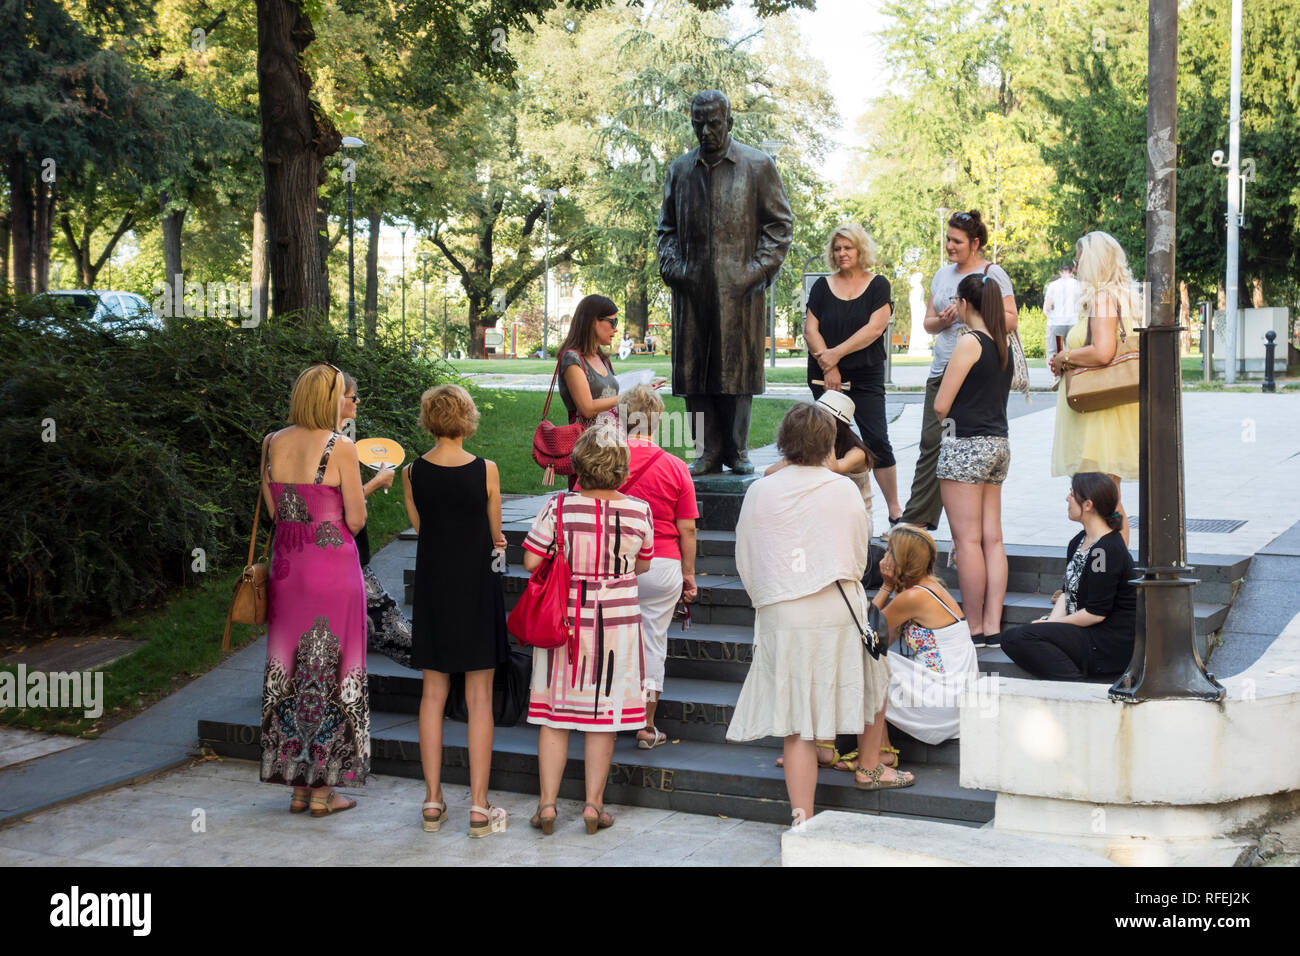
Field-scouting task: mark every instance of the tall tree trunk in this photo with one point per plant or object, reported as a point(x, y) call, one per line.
point(42, 232)
point(4, 249)
point(20, 216)
point(375, 219)
point(172, 223)
point(261, 259)
point(296, 137)
point(1257, 293)
point(638, 307)
point(478, 310)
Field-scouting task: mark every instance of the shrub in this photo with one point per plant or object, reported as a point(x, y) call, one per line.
point(128, 452)
point(1033, 332)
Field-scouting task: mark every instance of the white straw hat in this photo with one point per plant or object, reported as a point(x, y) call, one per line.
point(839, 405)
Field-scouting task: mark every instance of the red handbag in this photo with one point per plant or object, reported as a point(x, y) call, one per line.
point(541, 618)
point(553, 444)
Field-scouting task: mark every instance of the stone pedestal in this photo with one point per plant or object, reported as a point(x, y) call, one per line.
point(720, 496)
point(1167, 782)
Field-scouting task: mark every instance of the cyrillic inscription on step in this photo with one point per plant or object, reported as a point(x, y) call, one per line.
point(681, 649)
point(648, 778)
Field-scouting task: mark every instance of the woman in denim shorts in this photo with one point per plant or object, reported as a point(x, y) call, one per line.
point(975, 454)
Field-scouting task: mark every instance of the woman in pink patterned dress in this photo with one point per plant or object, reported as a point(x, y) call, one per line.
point(595, 684)
point(315, 710)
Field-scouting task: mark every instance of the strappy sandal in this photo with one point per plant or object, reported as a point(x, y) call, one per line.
point(901, 779)
point(434, 825)
point(545, 824)
point(601, 821)
point(895, 759)
point(829, 764)
point(660, 738)
point(299, 804)
point(324, 808)
point(497, 820)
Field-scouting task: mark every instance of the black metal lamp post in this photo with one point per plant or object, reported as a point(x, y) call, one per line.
point(424, 282)
point(402, 230)
point(349, 174)
point(1165, 662)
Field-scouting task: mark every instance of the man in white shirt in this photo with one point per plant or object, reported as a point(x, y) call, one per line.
point(1061, 306)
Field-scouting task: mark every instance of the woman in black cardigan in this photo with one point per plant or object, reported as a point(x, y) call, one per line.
point(1090, 630)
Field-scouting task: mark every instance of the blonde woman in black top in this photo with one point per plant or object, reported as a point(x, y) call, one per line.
point(975, 454)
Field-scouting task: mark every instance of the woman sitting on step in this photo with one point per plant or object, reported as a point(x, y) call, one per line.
point(801, 549)
point(935, 659)
point(1090, 631)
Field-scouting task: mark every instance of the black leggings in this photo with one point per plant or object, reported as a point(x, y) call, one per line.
point(868, 395)
point(1050, 649)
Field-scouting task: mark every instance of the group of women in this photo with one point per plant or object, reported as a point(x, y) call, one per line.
point(964, 453)
point(627, 529)
point(632, 561)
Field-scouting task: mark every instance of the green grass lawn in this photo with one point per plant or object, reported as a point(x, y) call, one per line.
point(509, 418)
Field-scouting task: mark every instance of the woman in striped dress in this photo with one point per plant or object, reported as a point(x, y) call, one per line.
point(595, 683)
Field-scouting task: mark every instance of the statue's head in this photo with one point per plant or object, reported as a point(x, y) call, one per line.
point(711, 120)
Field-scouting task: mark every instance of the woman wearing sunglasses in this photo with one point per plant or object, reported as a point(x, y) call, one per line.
point(315, 710)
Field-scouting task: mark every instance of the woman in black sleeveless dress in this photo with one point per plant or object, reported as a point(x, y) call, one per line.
point(459, 621)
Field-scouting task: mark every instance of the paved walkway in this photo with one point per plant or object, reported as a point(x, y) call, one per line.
point(246, 823)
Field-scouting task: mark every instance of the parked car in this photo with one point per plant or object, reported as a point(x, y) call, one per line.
point(115, 311)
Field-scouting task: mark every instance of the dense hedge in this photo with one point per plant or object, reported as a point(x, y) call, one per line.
point(128, 451)
point(1033, 331)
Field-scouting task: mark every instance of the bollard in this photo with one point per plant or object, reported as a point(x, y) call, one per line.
point(1270, 344)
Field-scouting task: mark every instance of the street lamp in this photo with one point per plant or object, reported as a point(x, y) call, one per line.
point(402, 229)
point(424, 263)
point(772, 147)
point(548, 197)
point(350, 174)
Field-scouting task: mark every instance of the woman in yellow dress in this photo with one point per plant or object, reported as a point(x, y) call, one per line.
point(1104, 440)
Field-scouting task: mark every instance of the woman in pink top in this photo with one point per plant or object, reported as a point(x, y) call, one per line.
point(661, 481)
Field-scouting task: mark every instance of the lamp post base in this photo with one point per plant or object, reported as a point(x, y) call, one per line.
point(1166, 627)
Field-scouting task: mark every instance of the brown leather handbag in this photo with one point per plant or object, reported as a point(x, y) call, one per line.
point(1092, 388)
point(249, 603)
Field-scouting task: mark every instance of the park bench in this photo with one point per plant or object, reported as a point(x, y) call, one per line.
point(788, 344)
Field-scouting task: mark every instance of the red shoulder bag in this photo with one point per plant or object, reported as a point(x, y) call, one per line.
point(553, 444)
point(541, 618)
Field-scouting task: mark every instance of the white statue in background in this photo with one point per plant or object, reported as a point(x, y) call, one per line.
point(918, 341)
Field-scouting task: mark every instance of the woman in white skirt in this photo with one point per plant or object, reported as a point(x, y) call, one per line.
point(936, 658)
point(801, 549)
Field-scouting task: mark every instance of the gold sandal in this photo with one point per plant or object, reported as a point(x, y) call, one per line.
point(299, 804)
point(497, 820)
point(601, 821)
point(324, 808)
point(434, 825)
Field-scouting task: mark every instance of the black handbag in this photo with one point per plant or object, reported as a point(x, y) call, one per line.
point(876, 634)
point(510, 690)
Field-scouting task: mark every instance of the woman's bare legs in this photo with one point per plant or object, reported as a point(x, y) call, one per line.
point(887, 479)
point(800, 764)
point(478, 700)
point(873, 737)
point(552, 755)
point(963, 503)
point(597, 755)
point(433, 701)
point(995, 558)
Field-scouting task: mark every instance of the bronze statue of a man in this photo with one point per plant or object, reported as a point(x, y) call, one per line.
point(723, 233)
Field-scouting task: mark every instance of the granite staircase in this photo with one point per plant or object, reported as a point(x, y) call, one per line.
point(698, 771)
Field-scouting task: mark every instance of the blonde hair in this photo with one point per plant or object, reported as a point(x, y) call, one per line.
point(447, 411)
point(639, 410)
point(1103, 270)
point(317, 398)
point(914, 555)
point(601, 458)
point(855, 234)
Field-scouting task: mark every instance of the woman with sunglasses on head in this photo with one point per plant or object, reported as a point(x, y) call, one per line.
point(315, 710)
point(588, 387)
point(388, 630)
point(1091, 629)
point(975, 454)
point(966, 239)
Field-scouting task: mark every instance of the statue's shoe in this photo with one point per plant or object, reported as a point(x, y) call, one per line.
point(705, 466)
point(742, 466)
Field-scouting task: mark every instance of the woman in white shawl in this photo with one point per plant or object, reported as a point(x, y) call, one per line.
point(801, 549)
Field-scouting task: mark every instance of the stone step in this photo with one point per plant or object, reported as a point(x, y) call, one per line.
point(691, 776)
point(690, 709)
point(1030, 568)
